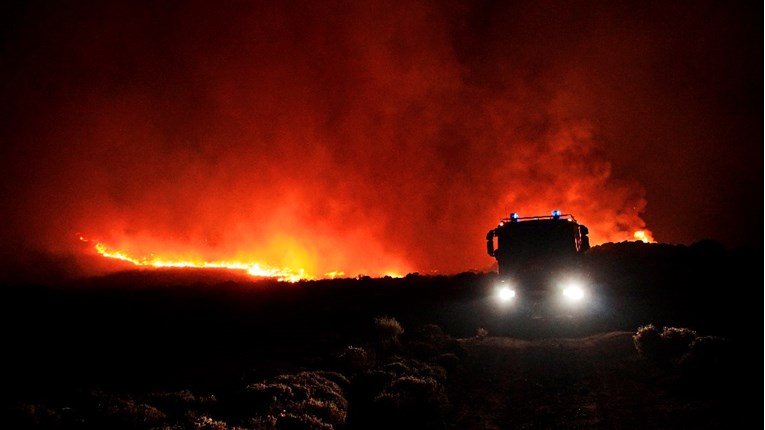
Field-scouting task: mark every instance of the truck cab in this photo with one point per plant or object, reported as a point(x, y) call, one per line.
point(540, 263)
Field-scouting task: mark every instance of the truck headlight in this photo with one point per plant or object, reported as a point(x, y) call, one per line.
point(573, 293)
point(505, 293)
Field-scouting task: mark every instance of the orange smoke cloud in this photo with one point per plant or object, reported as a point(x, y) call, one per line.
point(332, 138)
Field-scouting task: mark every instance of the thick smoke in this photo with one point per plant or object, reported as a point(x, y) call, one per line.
point(334, 136)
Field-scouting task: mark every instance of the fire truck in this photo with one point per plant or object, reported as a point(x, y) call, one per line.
point(540, 264)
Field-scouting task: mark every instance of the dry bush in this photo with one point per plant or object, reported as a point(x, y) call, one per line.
point(430, 341)
point(262, 397)
point(388, 328)
point(301, 400)
point(318, 385)
point(177, 403)
point(205, 422)
point(481, 333)
point(424, 389)
point(397, 368)
point(338, 378)
point(405, 393)
point(267, 422)
point(124, 413)
point(325, 411)
point(427, 341)
point(667, 345)
point(647, 341)
point(410, 402)
point(412, 367)
point(431, 333)
point(677, 341)
point(355, 359)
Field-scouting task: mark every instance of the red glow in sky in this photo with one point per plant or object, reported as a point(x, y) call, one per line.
point(374, 137)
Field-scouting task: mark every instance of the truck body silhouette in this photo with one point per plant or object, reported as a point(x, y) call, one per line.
point(540, 264)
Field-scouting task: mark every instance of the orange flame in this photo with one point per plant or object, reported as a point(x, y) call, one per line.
point(251, 268)
point(644, 236)
point(301, 267)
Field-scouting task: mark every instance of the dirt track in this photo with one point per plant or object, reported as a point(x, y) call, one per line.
point(596, 382)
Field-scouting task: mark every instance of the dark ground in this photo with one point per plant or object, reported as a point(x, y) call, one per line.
point(592, 382)
point(148, 331)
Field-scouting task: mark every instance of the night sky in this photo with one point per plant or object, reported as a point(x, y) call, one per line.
point(373, 137)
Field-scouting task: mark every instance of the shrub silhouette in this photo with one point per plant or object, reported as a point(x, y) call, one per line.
point(124, 413)
point(410, 402)
point(402, 393)
point(647, 341)
point(427, 341)
point(677, 341)
point(431, 341)
point(338, 378)
point(205, 422)
point(317, 385)
point(301, 400)
point(667, 345)
point(176, 404)
point(260, 398)
point(354, 359)
point(412, 367)
point(388, 330)
point(431, 333)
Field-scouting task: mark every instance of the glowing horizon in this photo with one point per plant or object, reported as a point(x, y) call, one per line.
point(257, 268)
point(252, 268)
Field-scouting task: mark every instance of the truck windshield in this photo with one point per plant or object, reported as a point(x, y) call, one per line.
point(538, 239)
